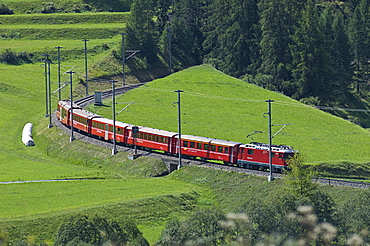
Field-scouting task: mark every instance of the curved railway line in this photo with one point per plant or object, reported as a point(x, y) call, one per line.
point(173, 161)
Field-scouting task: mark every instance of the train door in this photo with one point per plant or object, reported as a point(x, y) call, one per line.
point(106, 132)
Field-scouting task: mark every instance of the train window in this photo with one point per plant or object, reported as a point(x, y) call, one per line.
point(250, 151)
point(226, 150)
point(272, 154)
point(206, 146)
point(199, 145)
point(185, 143)
point(219, 149)
point(213, 147)
point(192, 144)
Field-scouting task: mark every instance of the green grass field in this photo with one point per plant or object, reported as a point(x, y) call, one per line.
point(218, 106)
point(213, 105)
point(85, 193)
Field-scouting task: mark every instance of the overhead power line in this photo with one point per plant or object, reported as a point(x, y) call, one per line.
point(345, 109)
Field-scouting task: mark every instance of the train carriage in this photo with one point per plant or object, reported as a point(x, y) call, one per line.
point(103, 128)
point(82, 120)
point(209, 148)
point(151, 138)
point(256, 156)
point(64, 111)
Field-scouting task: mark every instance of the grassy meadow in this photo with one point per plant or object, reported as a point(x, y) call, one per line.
point(218, 106)
point(212, 104)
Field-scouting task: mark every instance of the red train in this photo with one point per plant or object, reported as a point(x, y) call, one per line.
point(253, 155)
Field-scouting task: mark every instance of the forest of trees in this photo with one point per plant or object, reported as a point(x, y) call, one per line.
point(314, 50)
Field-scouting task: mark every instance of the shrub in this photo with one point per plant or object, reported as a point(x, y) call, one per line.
point(13, 58)
point(48, 8)
point(5, 10)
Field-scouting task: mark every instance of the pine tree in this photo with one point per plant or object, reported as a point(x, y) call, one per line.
point(232, 37)
point(187, 37)
point(275, 41)
point(140, 29)
point(342, 56)
point(357, 36)
point(310, 73)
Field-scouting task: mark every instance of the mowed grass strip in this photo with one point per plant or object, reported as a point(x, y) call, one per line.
point(70, 18)
point(42, 45)
point(64, 26)
point(18, 200)
point(218, 106)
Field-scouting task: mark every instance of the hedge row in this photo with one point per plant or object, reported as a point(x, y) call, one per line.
point(68, 6)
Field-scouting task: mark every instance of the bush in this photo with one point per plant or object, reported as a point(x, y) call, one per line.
point(13, 58)
point(83, 230)
point(312, 101)
point(48, 8)
point(5, 10)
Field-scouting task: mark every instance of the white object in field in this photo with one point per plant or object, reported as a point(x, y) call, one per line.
point(27, 135)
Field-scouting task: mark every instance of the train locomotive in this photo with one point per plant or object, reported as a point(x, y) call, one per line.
point(253, 155)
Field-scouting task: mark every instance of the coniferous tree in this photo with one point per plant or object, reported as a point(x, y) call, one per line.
point(187, 37)
point(140, 29)
point(232, 38)
point(342, 56)
point(215, 25)
point(357, 36)
point(275, 41)
point(310, 73)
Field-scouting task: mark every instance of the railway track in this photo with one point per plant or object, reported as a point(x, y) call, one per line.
point(83, 102)
point(172, 161)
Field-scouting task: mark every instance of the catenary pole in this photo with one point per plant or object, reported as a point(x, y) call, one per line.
point(46, 84)
point(71, 113)
point(114, 149)
point(59, 84)
point(86, 70)
point(179, 126)
point(270, 177)
point(49, 96)
point(123, 60)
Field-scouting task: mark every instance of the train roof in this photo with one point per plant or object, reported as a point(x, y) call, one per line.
point(158, 132)
point(264, 146)
point(110, 122)
point(209, 140)
point(85, 114)
point(67, 104)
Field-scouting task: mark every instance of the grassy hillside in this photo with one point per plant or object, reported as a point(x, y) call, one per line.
point(218, 106)
point(62, 26)
point(61, 6)
point(213, 104)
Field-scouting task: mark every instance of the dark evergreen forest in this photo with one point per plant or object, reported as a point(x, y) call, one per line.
point(316, 51)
